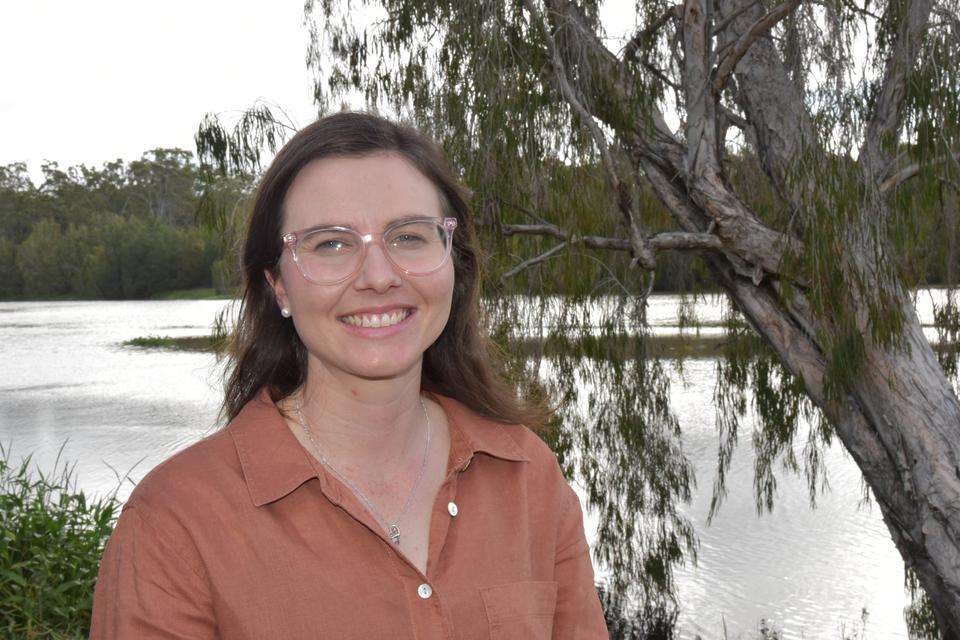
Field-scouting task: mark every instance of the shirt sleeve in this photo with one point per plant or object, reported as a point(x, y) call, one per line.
point(149, 587)
point(579, 615)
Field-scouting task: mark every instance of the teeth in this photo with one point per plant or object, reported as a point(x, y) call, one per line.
point(377, 319)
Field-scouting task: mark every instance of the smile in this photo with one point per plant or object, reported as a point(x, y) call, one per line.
point(376, 320)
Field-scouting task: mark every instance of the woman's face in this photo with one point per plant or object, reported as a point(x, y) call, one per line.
point(366, 193)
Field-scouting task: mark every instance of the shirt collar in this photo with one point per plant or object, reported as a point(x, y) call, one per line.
point(274, 463)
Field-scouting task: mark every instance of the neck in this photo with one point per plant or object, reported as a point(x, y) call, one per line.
point(361, 423)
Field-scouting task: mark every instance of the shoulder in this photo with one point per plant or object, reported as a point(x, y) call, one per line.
point(522, 452)
point(202, 474)
point(501, 439)
point(176, 502)
point(543, 467)
point(531, 444)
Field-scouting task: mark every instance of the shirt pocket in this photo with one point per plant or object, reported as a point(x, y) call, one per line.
point(520, 609)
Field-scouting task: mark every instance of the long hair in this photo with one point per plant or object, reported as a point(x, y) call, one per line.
point(266, 351)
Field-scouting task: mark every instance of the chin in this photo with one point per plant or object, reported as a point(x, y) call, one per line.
point(380, 374)
point(384, 371)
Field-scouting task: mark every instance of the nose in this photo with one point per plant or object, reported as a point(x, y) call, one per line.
point(376, 271)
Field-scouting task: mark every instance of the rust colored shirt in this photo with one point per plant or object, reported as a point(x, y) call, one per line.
point(244, 536)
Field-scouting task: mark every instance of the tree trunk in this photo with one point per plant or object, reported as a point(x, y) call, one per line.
point(908, 401)
point(901, 424)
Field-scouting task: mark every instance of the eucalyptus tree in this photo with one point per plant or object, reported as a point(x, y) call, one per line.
point(849, 113)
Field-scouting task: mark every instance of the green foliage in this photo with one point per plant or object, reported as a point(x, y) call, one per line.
point(239, 151)
point(17, 197)
point(52, 539)
point(223, 210)
point(214, 343)
point(653, 620)
point(113, 258)
point(614, 429)
point(121, 231)
point(10, 284)
point(946, 318)
point(40, 259)
point(149, 341)
point(921, 621)
point(752, 381)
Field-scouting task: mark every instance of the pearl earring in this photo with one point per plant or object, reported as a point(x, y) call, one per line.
point(285, 312)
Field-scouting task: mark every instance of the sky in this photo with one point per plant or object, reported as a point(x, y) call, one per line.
point(93, 81)
point(89, 82)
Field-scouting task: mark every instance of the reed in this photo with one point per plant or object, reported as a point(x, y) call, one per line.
point(51, 540)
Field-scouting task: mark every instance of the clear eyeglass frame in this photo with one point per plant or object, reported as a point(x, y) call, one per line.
point(293, 239)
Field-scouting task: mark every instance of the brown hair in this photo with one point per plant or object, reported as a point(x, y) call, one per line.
point(266, 350)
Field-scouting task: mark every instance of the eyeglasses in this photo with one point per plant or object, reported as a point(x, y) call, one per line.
point(330, 255)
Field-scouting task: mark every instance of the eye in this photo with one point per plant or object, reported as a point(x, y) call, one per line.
point(408, 238)
point(330, 245)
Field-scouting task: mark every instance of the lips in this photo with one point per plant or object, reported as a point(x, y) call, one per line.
point(376, 320)
point(381, 332)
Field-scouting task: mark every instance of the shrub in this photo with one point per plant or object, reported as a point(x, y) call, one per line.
point(51, 540)
point(10, 284)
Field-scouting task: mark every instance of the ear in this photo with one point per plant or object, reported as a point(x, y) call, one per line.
point(279, 291)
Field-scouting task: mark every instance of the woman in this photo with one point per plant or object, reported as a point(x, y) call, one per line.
point(375, 479)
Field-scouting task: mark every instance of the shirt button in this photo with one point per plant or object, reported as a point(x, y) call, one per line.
point(424, 591)
point(452, 508)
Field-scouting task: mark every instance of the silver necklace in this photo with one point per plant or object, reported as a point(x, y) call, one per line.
point(393, 528)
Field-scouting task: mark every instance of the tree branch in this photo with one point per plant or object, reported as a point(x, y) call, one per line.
point(753, 247)
point(733, 16)
point(625, 201)
point(664, 241)
point(733, 118)
point(533, 230)
point(702, 157)
point(742, 232)
point(523, 210)
point(661, 75)
point(684, 241)
point(883, 130)
point(618, 108)
point(642, 35)
point(782, 129)
point(910, 171)
point(526, 264)
point(759, 28)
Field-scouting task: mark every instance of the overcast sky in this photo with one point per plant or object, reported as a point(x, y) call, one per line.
point(88, 82)
point(96, 80)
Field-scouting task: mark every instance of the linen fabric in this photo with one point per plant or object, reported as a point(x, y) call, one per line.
point(244, 535)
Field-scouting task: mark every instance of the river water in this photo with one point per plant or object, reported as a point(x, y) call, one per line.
point(67, 383)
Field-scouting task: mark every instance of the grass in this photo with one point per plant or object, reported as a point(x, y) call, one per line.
point(51, 540)
point(183, 343)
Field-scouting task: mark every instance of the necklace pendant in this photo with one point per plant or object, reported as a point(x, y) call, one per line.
point(394, 532)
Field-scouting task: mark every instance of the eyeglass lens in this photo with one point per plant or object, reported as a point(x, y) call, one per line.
point(331, 255)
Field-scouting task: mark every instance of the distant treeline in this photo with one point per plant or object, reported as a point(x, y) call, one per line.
point(126, 230)
point(163, 223)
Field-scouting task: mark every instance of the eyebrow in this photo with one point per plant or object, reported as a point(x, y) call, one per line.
point(407, 218)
